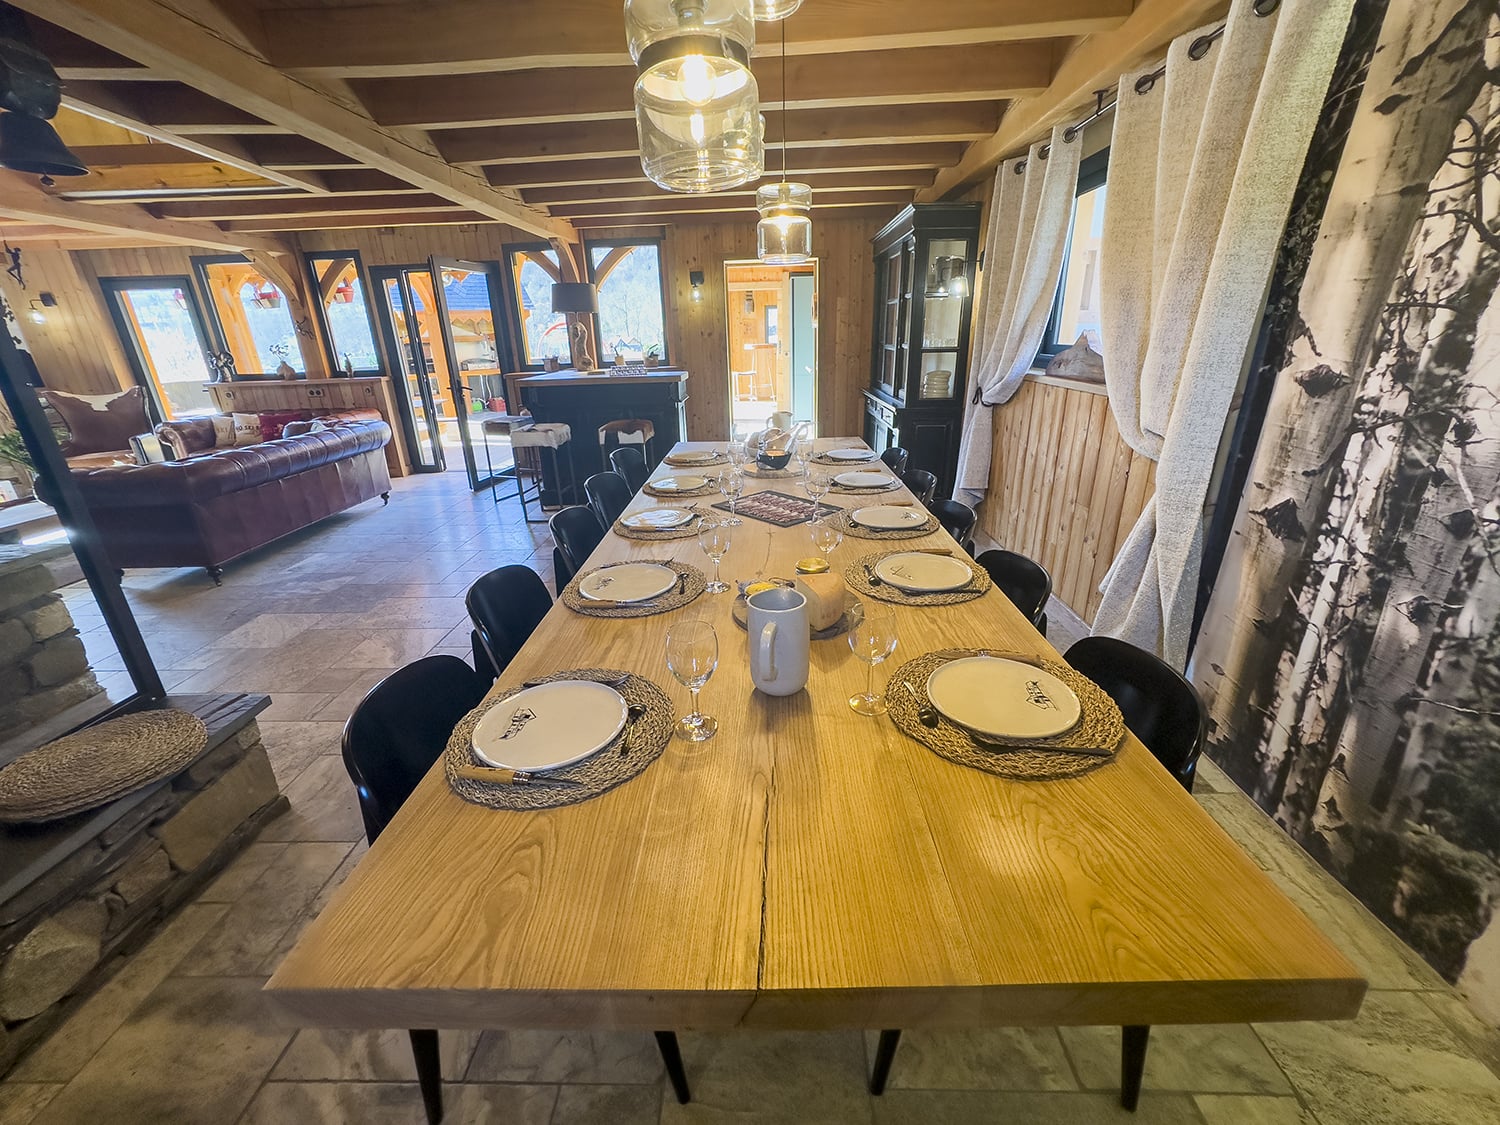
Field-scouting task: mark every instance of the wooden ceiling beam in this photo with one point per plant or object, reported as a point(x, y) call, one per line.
point(711, 218)
point(722, 201)
point(289, 153)
point(183, 40)
point(125, 156)
point(872, 124)
point(262, 207)
point(466, 35)
point(346, 222)
point(171, 107)
point(976, 72)
point(154, 179)
point(901, 179)
point(1095, 64)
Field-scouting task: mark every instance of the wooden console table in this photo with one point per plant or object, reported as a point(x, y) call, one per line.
point(252, 396)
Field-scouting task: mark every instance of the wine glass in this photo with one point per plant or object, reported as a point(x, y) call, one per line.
point(732, 486)
point(826, 533)
point(692, 656)
point(713, 537)
point(817, 483)
point(872, 639)
point(737, 453)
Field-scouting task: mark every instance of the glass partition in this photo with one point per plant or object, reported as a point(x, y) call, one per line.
point(628, 275)
point(543, 333)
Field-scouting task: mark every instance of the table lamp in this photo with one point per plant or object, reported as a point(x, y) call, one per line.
point(579, 300)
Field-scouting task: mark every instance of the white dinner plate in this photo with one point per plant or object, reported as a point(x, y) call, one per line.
point(693, 456)
point(627, 582)
point(550, 726)
point(850, 455)
point(678, 484)
point(917, 573)
point(1003, 698)
point(863, 478)
point(657, 519)
point(887, 517)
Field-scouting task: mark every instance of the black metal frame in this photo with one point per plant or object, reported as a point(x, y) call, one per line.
point(112, 287)
point(457, 388)
point(1093, 172)
point(661, 281)
point(103, 579)
point(513, 302)
point(314, 288)
point(201, 262)
point(414, 436)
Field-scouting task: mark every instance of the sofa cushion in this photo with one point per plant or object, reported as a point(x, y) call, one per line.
point(187, 437)
point(100, 423)
point(223, 431)
point(272, 422)
point(246, 429)
point(298, 428)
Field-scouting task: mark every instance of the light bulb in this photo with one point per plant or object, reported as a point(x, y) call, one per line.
point(697, 292)
point(698, 129)
point(38, 316)
point(697, 79)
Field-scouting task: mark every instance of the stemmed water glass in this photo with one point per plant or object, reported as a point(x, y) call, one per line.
point(816, 482)
point(872, 639)
point(826, 533)
point(713, 537)
point(737, 453)
point(732, 487)
point(692, 656)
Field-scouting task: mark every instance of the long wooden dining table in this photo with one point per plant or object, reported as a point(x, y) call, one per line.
point(808, 867)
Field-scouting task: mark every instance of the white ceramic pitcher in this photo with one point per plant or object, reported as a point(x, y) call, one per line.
point(779, 640)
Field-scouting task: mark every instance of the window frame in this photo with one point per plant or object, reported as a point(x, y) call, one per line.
point(329, 349)
point(1093, 172)
point(201, 262)
point(515, 320)
point(111, 287)
point(661, 280)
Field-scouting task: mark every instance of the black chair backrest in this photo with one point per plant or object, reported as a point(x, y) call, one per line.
point(895, 459)
point(400, 728)
point(958, 520)
point(608, 494)
point(1160, 707)
point(630, 463)
point(505, 606)
point(1024, 581)
point(560, 572)
point(577, 531)
point(923, 484)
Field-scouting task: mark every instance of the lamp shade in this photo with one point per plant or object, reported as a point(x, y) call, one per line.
point(767, 10)
point(575, 297)
point(783, 237)
point(31, 144)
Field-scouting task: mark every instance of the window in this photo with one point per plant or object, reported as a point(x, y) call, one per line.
point(1076, 310)
point(628, 275)
point(158, 321)
point(533, 271)
point(336, 278)
point(251, 316)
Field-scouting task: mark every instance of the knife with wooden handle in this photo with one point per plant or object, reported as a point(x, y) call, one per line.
point(510, 777)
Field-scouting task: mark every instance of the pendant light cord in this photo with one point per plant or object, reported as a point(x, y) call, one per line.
point(783, 101)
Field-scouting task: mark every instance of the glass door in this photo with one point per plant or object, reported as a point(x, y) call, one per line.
point(467, 304)
point(399, 309)
point(161, 327)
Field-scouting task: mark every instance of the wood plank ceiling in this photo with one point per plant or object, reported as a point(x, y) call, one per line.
point(251, 117)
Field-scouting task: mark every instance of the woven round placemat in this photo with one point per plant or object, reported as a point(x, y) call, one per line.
point(648, 735)
point(760, 472)
point(916, 531)
point(1032, 760)
point(97, 764)
point(675, 598)
point(824, 459)
point(672, 493)
point(856, 578)
point(696, 463)
point(882, 490)
point(686, 531)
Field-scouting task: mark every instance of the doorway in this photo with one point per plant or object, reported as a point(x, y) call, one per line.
point(772, 324)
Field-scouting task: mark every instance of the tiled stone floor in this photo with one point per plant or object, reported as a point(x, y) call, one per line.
point(182, 1034)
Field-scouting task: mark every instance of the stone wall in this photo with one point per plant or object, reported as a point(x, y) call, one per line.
point(62, 935)
point(43, 667)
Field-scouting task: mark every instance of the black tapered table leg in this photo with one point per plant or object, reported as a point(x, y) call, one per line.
point(1132, 1064)
point(671, 1055)
point(424, 1049)
point(885, 1052)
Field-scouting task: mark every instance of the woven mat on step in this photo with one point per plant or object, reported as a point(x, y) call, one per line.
point(641, 742)
point(99, 763)
point(690, 584)
point(857, 577)
point(1101, 724)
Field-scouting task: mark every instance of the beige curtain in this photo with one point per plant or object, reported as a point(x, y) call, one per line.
point(1202, 170)
point(1023, 255)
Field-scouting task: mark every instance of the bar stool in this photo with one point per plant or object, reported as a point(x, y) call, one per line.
point(494, 424)
point(626, 431)
point(551, 437)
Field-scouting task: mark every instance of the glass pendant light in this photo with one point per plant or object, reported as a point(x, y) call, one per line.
point(783, 237)
point(697, 107)
point(768, 10)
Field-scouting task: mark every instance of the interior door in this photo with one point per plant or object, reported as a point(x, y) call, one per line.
point(466, 296)
point(397, 310)
point(804, 346)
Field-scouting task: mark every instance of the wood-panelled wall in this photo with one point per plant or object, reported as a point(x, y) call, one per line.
point(76, 349)
point(1065, 489)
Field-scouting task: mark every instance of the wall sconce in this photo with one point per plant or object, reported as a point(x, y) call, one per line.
point(44, 301)
point(695, 277)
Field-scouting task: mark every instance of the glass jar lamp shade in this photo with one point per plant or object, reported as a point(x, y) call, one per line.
point(767, 10)
point(783, 237)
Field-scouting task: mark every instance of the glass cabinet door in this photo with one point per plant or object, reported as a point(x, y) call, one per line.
point(945, 292)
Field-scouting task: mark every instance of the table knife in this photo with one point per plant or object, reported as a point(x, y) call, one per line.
point(511, 777)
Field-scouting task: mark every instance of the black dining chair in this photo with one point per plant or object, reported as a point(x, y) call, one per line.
point(1024, 581)
point(923, 485)
point(630, 464)
point(958, 520)
point(1164, 711)
point(506, 605)
point(395, 735)
point(576, 531)
point(608, 494)
point(895, 459)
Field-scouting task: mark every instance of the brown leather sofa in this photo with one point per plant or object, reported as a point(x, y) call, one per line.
point(218, 505)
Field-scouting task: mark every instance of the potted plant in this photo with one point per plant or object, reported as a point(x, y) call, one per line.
point(653, 355)
point(14, 450)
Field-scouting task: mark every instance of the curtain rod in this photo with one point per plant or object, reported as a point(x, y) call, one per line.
point(1196, 50)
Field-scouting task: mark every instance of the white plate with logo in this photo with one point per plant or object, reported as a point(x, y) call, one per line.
point(657, 519)
point(850, 455)
point(1003, 698)
point(550, 726)
point(678, 484)
point(917, 573)
point(692, 457)
point(865, 478)
point(887, 517)
point(627, 582)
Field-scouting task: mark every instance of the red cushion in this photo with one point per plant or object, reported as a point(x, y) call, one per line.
point(272, 422)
